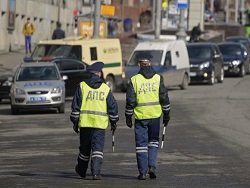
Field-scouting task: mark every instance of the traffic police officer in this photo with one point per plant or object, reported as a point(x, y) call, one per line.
point(146, 98)
point(92, 106)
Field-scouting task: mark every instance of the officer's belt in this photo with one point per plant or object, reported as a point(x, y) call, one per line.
point(148, 104)
point(93, 112)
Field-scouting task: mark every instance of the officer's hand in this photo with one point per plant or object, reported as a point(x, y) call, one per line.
point(129, 121)
point(113, 126)
point(75, 128)
point(166, 118)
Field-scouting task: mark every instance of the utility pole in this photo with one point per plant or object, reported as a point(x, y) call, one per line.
point(97, 16)
point(153, 15)
point(59, 7)
point(181, 33)
point(158, 20)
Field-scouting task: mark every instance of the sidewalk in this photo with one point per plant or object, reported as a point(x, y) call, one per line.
point(8, 60)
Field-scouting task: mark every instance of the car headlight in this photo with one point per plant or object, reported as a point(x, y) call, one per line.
point(204, 65)
point(123, 74)
point(6, 83)
point(235, 62)
point(19, 91)
point(57, 90)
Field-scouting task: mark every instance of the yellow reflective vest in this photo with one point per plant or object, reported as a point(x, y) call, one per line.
point(93, 112)
point(147, 97)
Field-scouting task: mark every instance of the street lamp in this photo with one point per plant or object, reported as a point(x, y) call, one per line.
point(181, 33)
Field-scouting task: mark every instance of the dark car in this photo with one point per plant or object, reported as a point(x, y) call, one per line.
point(235, 58)
point(245, 41)
point(74, 69)
point(206, 63)
point(5, 83)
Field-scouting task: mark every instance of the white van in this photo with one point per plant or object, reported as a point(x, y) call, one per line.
point(89, 51)
point(170, 59)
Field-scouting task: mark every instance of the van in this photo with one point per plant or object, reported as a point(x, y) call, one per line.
point(170, 59)
point(89, 51)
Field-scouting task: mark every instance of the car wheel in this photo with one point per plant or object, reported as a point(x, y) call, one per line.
point(0, 99)
point(212, 78)
point(221, 76)
point(111, 83)
point(61, 109)
point(248, 72)
point(184, 84)
point(14, 111)
point(242, 71)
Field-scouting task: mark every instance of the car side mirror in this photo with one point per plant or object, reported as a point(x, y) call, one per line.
point(245, 55)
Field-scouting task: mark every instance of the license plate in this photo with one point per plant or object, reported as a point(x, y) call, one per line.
point(225, 67)
point(36, 99)
point(193, 73)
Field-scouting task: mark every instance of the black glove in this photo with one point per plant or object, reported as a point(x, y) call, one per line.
point(75, 127)
point(113, 126)
point(166, 118)
point(129, 121)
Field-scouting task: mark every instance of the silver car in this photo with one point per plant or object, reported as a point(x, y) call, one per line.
point(36, 86)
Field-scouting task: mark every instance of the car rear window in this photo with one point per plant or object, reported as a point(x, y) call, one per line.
point(156, 60)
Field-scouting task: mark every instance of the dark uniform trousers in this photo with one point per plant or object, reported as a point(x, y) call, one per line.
point(91, 139)
point(147, 142)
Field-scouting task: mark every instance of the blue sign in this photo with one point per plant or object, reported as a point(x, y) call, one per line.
point(182, 4)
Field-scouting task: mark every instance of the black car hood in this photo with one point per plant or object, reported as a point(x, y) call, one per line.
point(198, 61)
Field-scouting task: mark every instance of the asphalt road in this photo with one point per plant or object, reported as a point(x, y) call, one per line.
point(206, 143)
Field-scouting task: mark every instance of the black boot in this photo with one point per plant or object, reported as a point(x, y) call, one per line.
point(142, 177)
point(96, 177)
point(151, 173)
point(83, 175)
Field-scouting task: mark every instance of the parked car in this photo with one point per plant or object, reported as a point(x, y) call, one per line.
point(74, 69)
point(206, 63)
point(5, 83)
point(242, 39)
point(245, 41)
point(170, 59)
point(235, 58)
point(37, 86)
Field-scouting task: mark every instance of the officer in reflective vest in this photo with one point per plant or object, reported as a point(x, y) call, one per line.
point(146, 98)
point(93, 106)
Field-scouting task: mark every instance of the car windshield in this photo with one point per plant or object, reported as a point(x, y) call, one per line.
point(199, 52)
point(156, 60)
point(244, 42)
point(230, 50)
point(37, 73)
point(43, 50)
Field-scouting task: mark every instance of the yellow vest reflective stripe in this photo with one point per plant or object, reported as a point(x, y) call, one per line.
point(93, 112)
point(147, 97)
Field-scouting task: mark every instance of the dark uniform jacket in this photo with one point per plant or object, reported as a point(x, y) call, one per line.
point(147, 72)
point(58, 34)
point(94, 82)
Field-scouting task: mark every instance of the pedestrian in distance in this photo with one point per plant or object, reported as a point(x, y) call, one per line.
point(195, 33)
point(58, 33)
point(146, 99)
point(93, 106)
point(28, 31)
